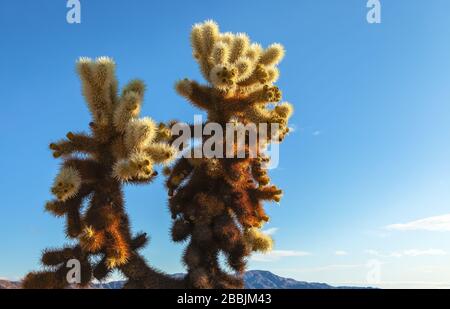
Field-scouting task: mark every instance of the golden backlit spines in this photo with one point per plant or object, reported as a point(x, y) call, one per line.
point(244, 66)
point(135, 85)
point(163, 133)
point(223, 77)
point(97, 79)
point(139, 133)
point(257, 240)
point(254, 51)
point(284, 110)
point(220, 54)
point(129, 108)
point(239, 47)
point(272, 55)
point(198, 95)
point(160, 153)
point(197, 41)
point(210, 35)
point(74, 143)
point(66, 184)
point(118, 253)
point(138, 166)
point(104, 72)
point(184, 87)
point(267, 94)
point(259, 170)
point(92, 240)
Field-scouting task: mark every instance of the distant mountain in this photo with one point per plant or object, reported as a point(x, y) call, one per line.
point(262, 279)
point(109, 285)
point(5, 284)
point(253, 279)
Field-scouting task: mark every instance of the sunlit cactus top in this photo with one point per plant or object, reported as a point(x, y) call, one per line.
point(242, 74)
point(135, 144)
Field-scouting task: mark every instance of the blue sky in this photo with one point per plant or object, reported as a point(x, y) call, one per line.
point(366, 173)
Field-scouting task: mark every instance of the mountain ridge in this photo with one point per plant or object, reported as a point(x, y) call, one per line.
point(253, 279)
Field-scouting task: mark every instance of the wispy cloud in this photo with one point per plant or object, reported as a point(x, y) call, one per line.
point(340, 252)
point(407, 253)
point(332, 267)
point(292, 128)
point(435, 224)
point(270, 231)
point(316, 133)
point(276, 255)
point(415, 252)
point(397, 284)
point(322, 268)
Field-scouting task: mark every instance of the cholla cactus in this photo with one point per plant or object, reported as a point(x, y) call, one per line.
point(218, 202)
point(121, 148)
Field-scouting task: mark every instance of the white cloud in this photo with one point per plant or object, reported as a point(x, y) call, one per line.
point(398, 284)
point(332, 267)
point(372, 252)
point(275, 255)
point(316, 133)
point(340, 252)
point(270, 231)
point(407, 253)
point(321, 268)
point(436, 224)
point(415, 252)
